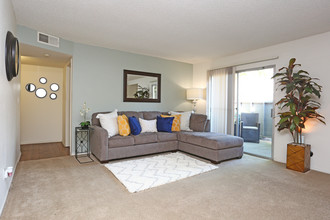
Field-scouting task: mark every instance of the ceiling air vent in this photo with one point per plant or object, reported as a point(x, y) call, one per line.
point(48, 39)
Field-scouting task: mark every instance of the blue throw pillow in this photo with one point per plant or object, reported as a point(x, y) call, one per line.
point(164, 124)
point(134, 125)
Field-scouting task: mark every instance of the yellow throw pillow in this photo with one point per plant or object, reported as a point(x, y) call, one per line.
point(123, 125)
point(176, 121)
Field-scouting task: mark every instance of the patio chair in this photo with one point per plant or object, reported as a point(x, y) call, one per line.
point(250, 127)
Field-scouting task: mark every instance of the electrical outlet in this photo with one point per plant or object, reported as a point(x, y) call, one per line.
point(7, 172)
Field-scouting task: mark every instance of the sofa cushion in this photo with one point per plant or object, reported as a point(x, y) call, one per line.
point(185, 119)
point(165, 136)
point(145, 138)
point(150, 115)
point(198, 122)
point(120, 141)
point(123, 125)
point(164, 124)
point(109, 122)
point(148, 125)
point(176, 121)
point(211, 140)
point(134, 125)
point(96, 121)
point(131, 114)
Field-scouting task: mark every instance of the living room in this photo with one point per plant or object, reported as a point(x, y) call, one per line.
point(97, 79)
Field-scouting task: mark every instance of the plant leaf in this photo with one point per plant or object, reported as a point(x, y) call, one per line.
point(296, 120)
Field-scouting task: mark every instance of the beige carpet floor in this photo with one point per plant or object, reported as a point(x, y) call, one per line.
point(264, 148)
point(249, 188)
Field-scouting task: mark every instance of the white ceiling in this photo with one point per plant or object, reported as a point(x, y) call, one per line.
point(191, 31)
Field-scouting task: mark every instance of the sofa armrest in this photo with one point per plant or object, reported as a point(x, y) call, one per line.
point(99, 143)
point(198, 122)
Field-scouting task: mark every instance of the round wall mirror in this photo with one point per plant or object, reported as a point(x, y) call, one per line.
point(12, 58)
point(41, 93)
point(30, 87)
point(54, 87)
point(53, 96)
point(42, 80)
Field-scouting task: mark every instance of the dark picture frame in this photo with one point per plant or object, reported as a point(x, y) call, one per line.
point(157, 76)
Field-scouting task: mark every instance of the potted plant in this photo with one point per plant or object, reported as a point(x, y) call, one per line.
point(297, 106)
point(83, 112)
point(142, 93)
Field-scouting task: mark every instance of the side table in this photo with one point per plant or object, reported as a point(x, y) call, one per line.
point(82, 149)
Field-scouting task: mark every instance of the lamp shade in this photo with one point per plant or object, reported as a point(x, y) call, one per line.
point(194, 93)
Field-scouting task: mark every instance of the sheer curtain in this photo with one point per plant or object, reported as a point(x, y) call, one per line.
point(220, 93)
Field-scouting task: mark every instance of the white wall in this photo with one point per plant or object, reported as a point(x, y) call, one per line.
point(314, 55)
point(41, 118)
point(9, 108)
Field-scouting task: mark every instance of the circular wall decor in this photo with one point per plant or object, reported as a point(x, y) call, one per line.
point(53, 96)
point(43, 80)
point(12, 58)
point(54, 87)
point(41, 93)
point(30, 87)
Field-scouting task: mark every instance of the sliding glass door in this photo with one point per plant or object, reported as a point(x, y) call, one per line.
point(254, 110)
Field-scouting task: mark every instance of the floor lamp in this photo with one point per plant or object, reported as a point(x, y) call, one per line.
point(193, 95)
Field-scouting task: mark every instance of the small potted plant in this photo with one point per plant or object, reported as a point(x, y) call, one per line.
point(298, 105)
point(142, 93)
point(83, 112)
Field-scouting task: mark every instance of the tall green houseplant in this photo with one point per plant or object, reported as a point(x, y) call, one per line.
point(299, 102)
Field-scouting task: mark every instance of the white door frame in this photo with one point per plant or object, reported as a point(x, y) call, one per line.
point(68, 106)
point(237, 110)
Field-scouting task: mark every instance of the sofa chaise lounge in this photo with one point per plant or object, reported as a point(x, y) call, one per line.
point(200, 142)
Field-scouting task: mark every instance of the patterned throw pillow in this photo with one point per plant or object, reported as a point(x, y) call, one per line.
point(176, 121)
point(123, 125)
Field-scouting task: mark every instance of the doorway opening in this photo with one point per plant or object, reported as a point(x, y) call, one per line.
point(254, 95)
point(45, 103)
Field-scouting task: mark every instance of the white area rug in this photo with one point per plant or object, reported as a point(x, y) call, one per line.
point(142, 174)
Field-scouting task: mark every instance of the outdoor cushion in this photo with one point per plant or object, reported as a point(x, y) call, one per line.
point(211, 140)
point(250, 127)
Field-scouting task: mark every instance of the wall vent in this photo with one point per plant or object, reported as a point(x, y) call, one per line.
point(48, 39)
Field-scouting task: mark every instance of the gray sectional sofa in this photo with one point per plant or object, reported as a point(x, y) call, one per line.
point(200, 142)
